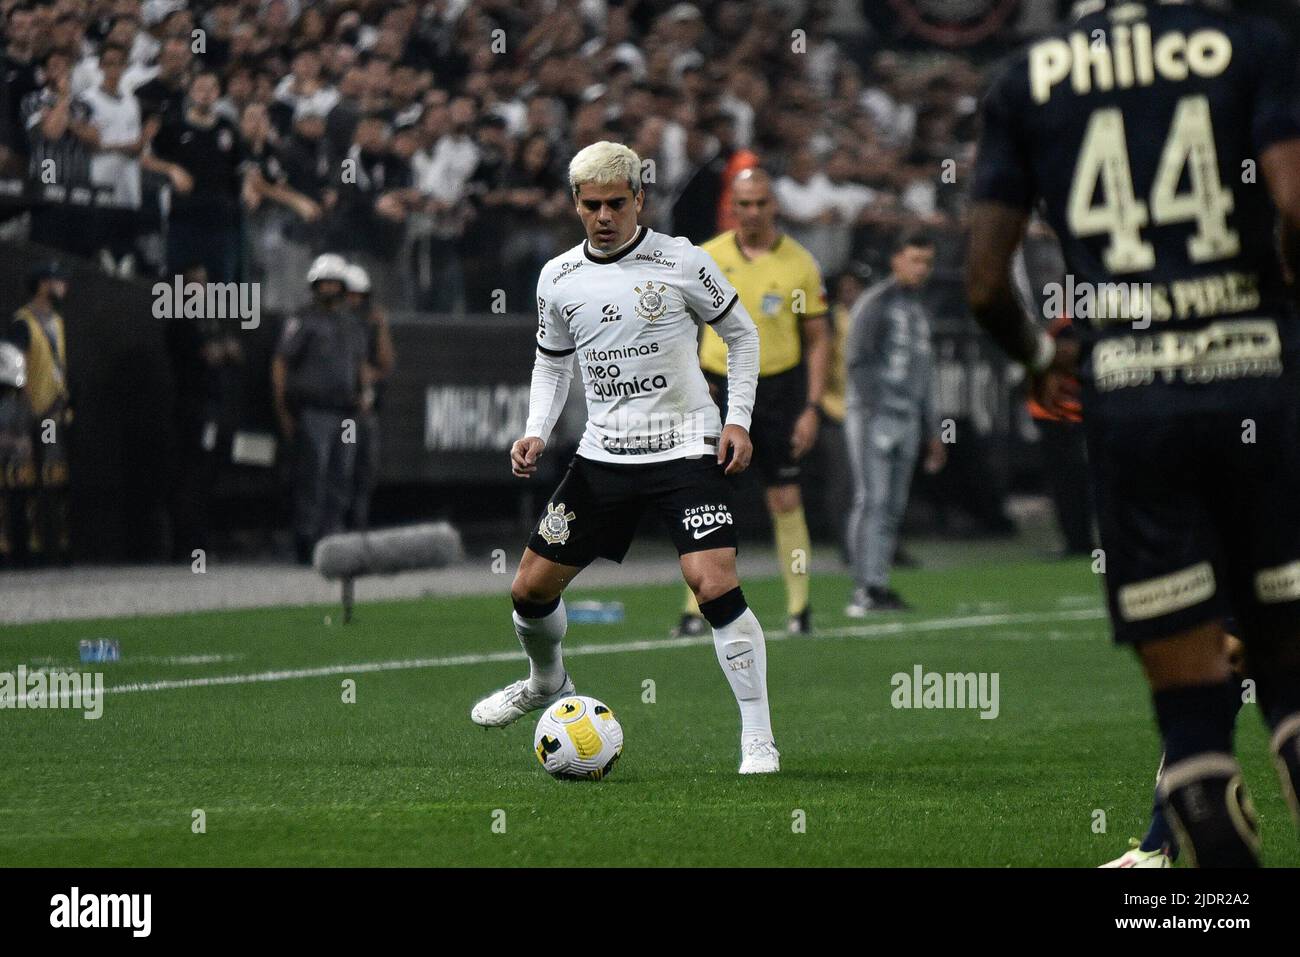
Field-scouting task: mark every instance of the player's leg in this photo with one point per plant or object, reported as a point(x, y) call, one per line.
point(693, 498)
point(1159, 846)
point(1279, 696)
point(540, 623)
point(591, 513)
point(540, 619)
point(740, 648)
point(793, 551)
point(1201, 788)
point(782, 398)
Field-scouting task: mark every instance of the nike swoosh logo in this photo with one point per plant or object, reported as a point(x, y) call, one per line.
point(568, 311)
point(737, 655)
point(699, 534)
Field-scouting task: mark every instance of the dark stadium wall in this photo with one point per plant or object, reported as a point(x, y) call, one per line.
point(120, 381)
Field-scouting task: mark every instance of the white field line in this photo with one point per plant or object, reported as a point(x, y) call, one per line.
point(878, 630)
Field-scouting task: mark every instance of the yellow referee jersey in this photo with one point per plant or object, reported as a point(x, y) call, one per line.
point(778, 288)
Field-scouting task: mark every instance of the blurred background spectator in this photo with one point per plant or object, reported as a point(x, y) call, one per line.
point(427, 141)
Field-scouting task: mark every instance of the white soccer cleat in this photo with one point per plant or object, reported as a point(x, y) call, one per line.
point(1136, 857)
point(759, 757)
point(514, 701)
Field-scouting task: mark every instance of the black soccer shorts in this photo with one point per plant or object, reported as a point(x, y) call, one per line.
point(595, 510)
point(1198, 503)
point(778, 403)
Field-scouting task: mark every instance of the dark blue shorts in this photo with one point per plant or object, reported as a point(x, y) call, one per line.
point(596, 508)
point(1198, 502)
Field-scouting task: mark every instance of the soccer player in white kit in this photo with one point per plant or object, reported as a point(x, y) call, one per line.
point(628, 303)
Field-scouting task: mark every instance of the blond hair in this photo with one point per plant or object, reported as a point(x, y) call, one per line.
point(603, 164)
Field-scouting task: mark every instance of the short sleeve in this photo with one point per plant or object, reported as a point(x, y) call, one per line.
point(1276, 116)
point(553, 336)
point(814, 291)
point(707, 294)
point(293, 338)
point(1002, 168)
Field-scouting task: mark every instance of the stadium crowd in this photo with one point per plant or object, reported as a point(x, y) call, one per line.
point(428, 140)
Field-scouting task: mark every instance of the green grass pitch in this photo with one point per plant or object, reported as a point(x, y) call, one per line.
point(286, 773)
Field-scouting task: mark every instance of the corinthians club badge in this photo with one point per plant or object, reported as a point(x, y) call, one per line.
point(555, 524)
point(651, 305)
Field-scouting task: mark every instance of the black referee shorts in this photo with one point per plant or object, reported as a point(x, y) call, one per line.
point(778, 403)
point(595, 510)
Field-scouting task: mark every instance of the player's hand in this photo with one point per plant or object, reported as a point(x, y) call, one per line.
point(736, 441)
point(804, 436)
point(524, 455)
point(1059, 384)
point(936, 457)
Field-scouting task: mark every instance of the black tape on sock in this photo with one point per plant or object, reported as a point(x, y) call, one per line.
point(723, 610)
point(529, 609)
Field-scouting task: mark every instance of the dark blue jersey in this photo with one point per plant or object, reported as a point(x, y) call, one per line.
point(1138, 128)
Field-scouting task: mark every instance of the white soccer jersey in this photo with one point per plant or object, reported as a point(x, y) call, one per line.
point(117, 118)
point(631, 320)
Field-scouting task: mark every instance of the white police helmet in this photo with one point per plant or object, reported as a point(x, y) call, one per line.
point(13, 365)
point(357, 279)
point(327, 266)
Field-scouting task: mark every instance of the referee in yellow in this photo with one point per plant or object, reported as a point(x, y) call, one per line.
point(781, 287)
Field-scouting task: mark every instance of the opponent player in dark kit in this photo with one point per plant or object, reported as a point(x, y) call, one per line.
point(1163, 141)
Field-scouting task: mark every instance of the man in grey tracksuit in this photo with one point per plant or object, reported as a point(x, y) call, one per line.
point(889, 412)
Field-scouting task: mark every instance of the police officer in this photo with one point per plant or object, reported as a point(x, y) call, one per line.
point(316, 384)
point(890, 410)
point(42, 527)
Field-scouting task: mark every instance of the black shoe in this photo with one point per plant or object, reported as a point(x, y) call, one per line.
point(691, 626)
point(800, 624)
point(905, 559)
point(886, 599)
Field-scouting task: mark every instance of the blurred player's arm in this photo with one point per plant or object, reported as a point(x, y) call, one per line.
point(287, 350)
point(385, 354)
point(815, 333)
point(279, 395)
point(552, 370)
point(1003, 194)
point(715, 303)
point(282, 193)
point(1281, 165)
point(740, 334)
point(1275, 130)
point(176, 174)
point(995, 233)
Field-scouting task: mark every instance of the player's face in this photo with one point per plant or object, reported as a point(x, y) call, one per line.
point(912, 265)
point(608, 213)
point(754, 207)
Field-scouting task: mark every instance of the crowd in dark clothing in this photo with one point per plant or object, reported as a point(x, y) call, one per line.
point(428, 140)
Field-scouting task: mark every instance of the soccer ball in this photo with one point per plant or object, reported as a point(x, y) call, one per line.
point(578, 738)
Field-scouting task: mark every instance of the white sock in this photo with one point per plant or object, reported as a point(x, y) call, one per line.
point(541, 639)
point(742, 653)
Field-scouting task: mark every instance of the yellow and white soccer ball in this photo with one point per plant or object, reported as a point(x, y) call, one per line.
point(578, 738)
